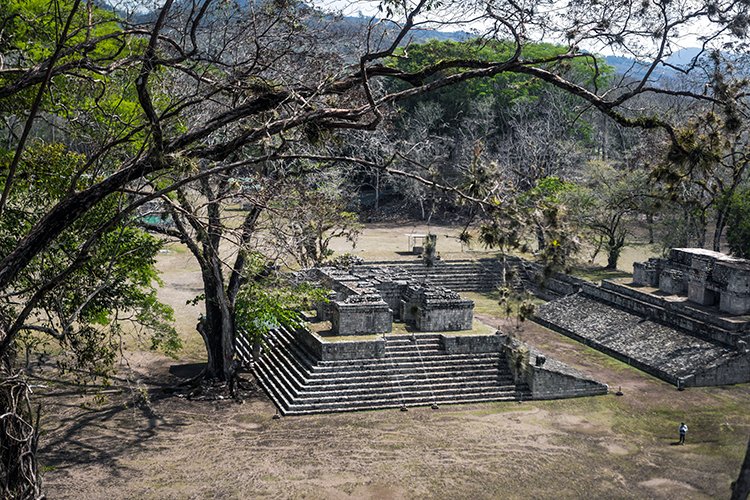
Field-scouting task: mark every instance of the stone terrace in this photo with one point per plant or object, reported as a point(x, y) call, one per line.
point(304, 374)
point(665, 352)
point(393, 373)
point(480, 275)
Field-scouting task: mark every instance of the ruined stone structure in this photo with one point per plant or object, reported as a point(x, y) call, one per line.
point(366, 300)
point(707, 278)
point(361, 314)
point(304, 372)
point(435, 309)
point(684, 319)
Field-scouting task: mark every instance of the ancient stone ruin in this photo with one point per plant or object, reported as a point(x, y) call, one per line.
point(684, 319)
point(367, 300)
point(435, 309)
point(707, 278)
point(306, 372)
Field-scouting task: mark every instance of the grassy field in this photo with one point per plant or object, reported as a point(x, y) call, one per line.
point(137, 439)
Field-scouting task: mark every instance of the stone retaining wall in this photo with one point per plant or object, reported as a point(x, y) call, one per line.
point(646, 367)
point(361, 317)
point(670, 354)
point(736, 371)
point(471, 344)
point(365, 349)
point(551, 379)
point(458, 316)
point(342, 350)
point(673, 314)
point(678, 308)
point(706, 277)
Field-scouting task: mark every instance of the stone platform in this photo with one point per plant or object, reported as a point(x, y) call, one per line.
point(665, 352)
point(303, 373)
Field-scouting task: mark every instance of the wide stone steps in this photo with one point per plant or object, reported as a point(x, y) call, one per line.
point(445, 377)
point(461, 276)
point(290, 358)
point(663, 351)
point(300, 384)
point(476, 372)
point(386, 397)
point(398, 398)
point(389, 389)
point(384, 371)
point(384, 404)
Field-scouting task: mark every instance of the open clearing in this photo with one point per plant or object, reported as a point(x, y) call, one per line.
point(602, 447)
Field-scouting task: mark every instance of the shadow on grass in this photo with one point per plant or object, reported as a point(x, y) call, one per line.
point(405, 253)
point(187, 370)
point(78, 431)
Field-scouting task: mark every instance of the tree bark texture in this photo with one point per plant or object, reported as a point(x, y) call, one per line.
point(217, 329)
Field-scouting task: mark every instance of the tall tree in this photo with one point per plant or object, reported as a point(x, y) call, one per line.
point(715, 160)
point(604, 203)
point(738, 223)
point(220, 85)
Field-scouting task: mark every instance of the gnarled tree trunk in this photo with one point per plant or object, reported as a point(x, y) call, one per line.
point(202, 230)
point(216, 327)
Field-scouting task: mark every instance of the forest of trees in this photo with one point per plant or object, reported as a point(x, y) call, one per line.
point(523, 133)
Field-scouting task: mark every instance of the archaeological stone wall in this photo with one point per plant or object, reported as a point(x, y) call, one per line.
point(669, 321)
point(436, 309)
point(340, 350)
point(701, 325)
point(707, 278)
point(361, 314)
point(366, 300)
point(547, 378)
point(471, 344)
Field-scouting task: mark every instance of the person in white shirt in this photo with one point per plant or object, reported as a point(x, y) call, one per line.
point(683, 431)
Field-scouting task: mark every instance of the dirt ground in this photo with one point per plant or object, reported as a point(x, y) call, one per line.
point(138, 439)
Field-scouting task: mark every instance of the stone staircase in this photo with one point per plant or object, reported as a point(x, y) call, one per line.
point(482, 275)
point(412, 373)
point(666, 352)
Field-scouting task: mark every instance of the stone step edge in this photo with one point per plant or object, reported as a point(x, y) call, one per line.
point(444, 379)
point(291, 395)
point(306, 391)
point(387, 406)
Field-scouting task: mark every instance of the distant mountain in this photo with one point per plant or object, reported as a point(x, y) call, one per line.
point(626, 66)
point(416, 35)
point(685, 57)
point(630, 68)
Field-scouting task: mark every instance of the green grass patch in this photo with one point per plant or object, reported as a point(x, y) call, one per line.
point(597, 274)
point(488, 303)
point(499, 407)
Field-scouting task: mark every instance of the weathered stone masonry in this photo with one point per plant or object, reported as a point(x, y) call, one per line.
point(367, 300)
point(304, 372)
point(707, 278)
point(683, 319)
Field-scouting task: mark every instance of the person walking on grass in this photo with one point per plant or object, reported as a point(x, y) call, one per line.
point(683, 431)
